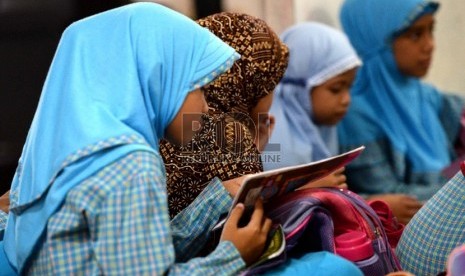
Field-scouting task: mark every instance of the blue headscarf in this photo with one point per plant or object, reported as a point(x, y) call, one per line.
point(124, 72)
point(317, 53)
point(386, 103)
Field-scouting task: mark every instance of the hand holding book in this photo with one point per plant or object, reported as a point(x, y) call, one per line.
point(271, 184)
point(274, 183)
point(250, 239)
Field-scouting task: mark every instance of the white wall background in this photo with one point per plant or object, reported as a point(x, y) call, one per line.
point(448, 67)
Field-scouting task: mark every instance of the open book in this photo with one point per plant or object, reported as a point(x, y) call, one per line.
point(271, 184)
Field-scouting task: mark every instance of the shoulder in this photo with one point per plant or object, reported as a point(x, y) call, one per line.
point(134, 163)
point(116, 178)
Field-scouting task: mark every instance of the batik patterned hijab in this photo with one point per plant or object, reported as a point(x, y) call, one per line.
point(224, 147)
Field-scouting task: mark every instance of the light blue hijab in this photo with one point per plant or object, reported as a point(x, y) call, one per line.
point(122, 73)
point(317, 53)
point(386, 103)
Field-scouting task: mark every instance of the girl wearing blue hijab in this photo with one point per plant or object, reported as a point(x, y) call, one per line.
point(408, 127)
point(89, 194)
point(312, 97)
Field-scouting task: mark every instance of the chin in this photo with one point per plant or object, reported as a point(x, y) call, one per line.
point(417, 72)
point(418, 75)
point(420, 72)
point(422, 75)
point(331, 122)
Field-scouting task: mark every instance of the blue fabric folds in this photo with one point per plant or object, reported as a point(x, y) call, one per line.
point(317, 263)
point(385, 102)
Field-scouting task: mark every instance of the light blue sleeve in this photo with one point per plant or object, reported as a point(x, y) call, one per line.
point(141, 232)
point(190, 228)
point(380, 170)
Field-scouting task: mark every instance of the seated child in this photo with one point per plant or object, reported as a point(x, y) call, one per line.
point(225, 146)
point(409, 127)
point(89, 194)
point(312, 98)
point(435, 230)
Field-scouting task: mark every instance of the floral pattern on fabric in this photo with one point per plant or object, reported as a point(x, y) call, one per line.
point(224, 146)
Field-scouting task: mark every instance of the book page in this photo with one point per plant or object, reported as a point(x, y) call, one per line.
point(273, 183)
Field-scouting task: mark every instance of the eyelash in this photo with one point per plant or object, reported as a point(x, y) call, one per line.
point(415, 35)
point(337, 88)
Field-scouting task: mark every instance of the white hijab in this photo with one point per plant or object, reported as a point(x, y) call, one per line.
point(317, 53)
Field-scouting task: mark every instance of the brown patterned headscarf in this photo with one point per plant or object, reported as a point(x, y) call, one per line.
point(224, 147)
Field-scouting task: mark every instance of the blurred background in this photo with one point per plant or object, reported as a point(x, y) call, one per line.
point(30, 31)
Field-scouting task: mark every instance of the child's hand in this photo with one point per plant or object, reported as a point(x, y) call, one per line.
point(5, 202)
point(335, 179)
point(249, 240)
point(403, 206)
point(233, 185)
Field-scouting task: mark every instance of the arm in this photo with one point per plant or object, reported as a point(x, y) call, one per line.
point(5, 202)
point(4, 206)
point(116, 223)
point(134, 226)
point(378, 170)
point(3, 219)
point(199, 217)
point(451, 111)
point(248, 240)
point(374, 177)
point(335, 179)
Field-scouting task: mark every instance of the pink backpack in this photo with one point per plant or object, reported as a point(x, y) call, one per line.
point(334, 220)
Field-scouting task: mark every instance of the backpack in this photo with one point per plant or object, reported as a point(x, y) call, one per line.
point(334, 220)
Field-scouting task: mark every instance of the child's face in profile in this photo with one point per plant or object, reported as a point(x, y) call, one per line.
point(413, 49)
point(331, 99)
point(188, 120)
point(263, 121)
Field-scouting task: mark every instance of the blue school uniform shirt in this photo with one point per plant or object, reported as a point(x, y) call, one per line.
point(123, 210)
point(400, 119)
point(435, 230)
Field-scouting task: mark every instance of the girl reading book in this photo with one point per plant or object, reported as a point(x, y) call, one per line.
point(312, 98)
point(89, 194)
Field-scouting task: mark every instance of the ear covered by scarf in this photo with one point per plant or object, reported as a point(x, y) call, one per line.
point(386, 103)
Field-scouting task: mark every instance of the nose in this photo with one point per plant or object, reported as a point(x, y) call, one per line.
point(428, 43)
point(205, 106)
point(345, 100)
